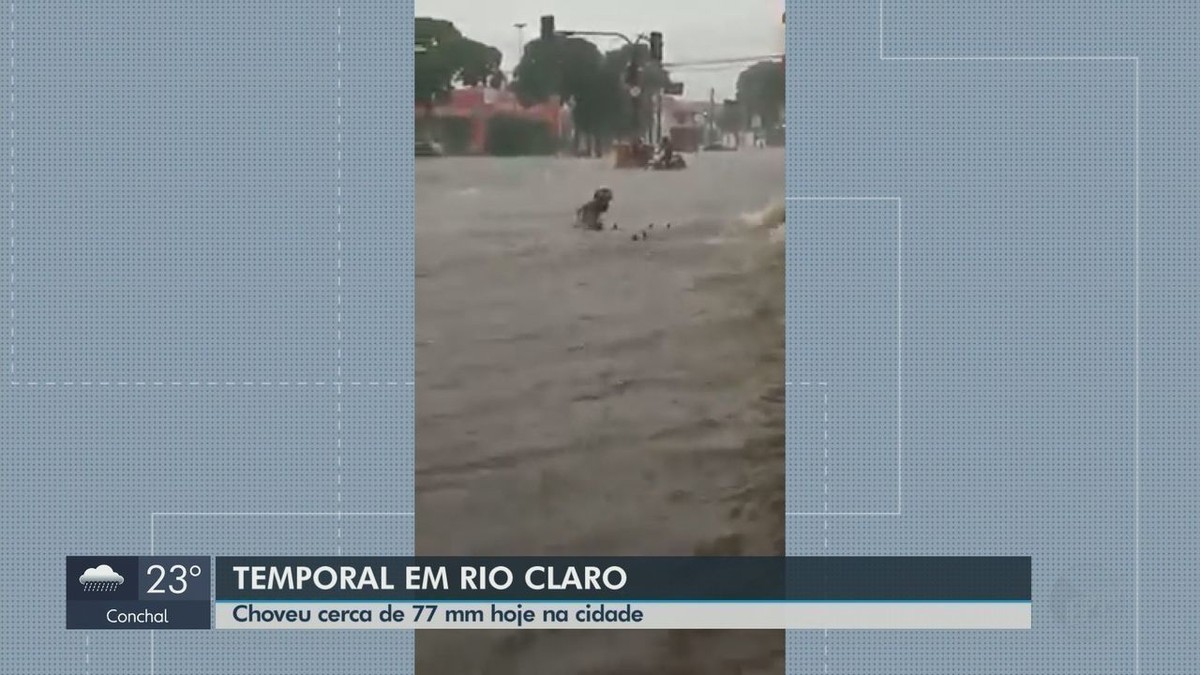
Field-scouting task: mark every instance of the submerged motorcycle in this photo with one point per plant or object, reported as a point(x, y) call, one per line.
point(675, 163)
point(642, 156)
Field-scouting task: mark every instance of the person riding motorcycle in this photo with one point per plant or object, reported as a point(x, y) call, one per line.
point(666, 151)
point(666, 157)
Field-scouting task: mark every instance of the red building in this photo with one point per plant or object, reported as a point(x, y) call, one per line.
point(479, 105)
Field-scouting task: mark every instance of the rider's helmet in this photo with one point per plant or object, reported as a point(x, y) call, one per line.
point(603, 195)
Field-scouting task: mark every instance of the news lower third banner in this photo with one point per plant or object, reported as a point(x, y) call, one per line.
point(655, 593)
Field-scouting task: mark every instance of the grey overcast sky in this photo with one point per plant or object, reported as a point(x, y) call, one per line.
point(692, 29)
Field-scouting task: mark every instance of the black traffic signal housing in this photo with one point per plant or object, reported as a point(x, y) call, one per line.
point(632, 75)
point(548, 27)
point(656, 46)
point(633, 71)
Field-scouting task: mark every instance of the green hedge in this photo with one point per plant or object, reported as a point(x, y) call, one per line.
point(455, 135)
point(516, 136)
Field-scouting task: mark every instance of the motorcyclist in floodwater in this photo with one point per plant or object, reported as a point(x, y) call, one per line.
point(666, 151)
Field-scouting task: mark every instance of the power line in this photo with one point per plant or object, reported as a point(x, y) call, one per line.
point(718, 68)
point(725, 61)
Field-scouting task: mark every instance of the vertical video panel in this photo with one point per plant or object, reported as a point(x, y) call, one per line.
point(599, 303)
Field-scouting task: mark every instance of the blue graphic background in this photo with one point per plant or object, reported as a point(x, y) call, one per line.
point(168, 351)
point(207, 337)
point(1017, 174)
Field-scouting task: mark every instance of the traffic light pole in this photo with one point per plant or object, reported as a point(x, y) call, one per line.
point(633, 75)
point(658, 118)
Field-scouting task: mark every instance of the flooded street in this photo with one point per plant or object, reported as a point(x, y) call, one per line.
point(583, 393)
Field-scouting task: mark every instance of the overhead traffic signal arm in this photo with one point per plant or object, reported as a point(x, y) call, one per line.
point(549, 31)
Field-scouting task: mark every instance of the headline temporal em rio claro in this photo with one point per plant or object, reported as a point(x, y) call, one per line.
point(416, 578)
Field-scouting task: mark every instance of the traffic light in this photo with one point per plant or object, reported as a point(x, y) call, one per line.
point(633, 71)
point(632, 74)
point(548, 27)
point(656, 51)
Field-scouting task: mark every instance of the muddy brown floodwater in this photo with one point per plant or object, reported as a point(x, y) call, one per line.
point(583, 393)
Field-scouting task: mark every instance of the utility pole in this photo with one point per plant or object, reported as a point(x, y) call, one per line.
point(633, 73)
point(633, 80)
point(658, 117)
point(520, 40)
point(712, 113)
point(656, 55)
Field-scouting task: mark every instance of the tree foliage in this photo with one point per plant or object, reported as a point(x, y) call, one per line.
point(515, 136)
point(653, 80)
point(731, 118)
point(565, 67)
point(593, 82)
point(450, 58)
point(762, 91)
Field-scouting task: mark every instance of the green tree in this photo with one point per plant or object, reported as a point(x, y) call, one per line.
point(515, 136)
point(449, 58)
point(730, 119)
point(762, 91)
point(653, 80)
point(575, 70)
point(564, 67)
point(572, 69)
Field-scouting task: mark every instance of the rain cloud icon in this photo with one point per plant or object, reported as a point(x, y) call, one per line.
point(100, 578)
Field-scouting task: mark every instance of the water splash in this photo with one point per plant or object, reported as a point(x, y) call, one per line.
point(773, 217)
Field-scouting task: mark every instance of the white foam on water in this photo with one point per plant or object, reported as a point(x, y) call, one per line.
point(772, 217)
